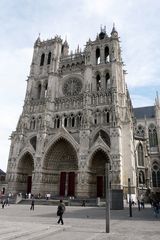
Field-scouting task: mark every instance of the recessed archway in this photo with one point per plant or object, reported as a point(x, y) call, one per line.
point(24, 173)
point(97, 173)
point(61, 163)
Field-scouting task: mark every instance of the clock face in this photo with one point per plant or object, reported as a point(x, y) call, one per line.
point(72, 87)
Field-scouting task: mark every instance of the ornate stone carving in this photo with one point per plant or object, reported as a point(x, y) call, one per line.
point(72, 87)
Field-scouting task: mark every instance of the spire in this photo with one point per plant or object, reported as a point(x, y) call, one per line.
point(78, 48)
point(114, 32)
point(38, 41)
point(65, 44)
point(102, 34)
point(157, 101)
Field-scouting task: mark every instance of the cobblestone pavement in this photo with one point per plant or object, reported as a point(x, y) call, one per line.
point(80, 223)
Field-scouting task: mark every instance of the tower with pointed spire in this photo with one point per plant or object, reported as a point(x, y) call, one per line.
point(78, 116)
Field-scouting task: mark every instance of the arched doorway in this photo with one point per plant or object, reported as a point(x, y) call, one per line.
point(24, 173)
point(97, 173)
point(61, 164)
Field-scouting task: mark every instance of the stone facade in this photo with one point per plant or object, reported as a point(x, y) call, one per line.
point(77, 116)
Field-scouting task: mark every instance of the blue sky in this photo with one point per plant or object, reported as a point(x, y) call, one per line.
point(137, 22)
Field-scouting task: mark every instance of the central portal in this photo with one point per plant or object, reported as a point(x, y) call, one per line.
point(61, 161)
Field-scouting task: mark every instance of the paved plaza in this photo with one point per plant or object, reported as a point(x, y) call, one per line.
point(80, 223)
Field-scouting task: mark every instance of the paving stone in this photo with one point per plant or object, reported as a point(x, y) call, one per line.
point(80, 223)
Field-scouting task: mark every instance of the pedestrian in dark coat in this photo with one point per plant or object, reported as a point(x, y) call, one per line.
point(60, 211)
point(32, 204)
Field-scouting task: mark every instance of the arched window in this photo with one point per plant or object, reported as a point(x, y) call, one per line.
point(39, 122)
point(155, 175)
point(65, 121)
point(106, 117)
point(33, 123)
point(140, 155)
point(98, 82)
point(141, 177)
point(42, 59)
point(39, 91)
point(45, 90)
point(97, 56)
point(33, 142)
point(153, 140)
point(78, 120)
point(73, 121)
point(49, 58)
point(140, 130)
point(57, 122)
point(97, 117)
point(107, 80)
point(106, 54)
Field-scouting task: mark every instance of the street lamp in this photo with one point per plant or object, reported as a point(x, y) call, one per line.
point(107, 168)
point(129, 193)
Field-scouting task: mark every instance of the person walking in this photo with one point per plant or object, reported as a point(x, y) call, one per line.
point(3, 203)
point(156, 208)
point(32, 204)
point(60, 211)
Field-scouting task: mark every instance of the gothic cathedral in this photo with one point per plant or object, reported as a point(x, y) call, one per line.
point(78, 116)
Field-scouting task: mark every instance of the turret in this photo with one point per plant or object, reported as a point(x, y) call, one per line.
point(65, 48)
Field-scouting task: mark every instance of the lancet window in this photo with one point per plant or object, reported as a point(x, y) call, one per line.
point(107, 78)
point(57, 122)
point(153, 141)
point(98, 56)
point(42, 59)
point(49, 58)
point(32, 123)
point(98, 82)
point(106, 54)
point(155, 174)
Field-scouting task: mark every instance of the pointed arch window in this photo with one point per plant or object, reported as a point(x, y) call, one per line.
point(97, 117)
point(49, 58)
point(33, 123)
point(45, 90)
point(39, 122)
point(153, 140)
point(106, 118)
point(57, 122)
point(140, 155)
point(107, 78)
point(140, 131)
point(71, 121)
point(106, 54)
point(156, 175)
point(78, 120)
point(42, 59)
point(98, 82)
point(98, 56)
point(39, 91)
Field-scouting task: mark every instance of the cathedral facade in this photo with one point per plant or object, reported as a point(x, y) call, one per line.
point(78, 116)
